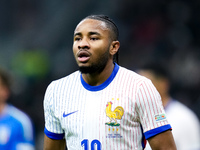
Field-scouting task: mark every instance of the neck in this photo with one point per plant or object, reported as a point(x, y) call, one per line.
point(95, 79)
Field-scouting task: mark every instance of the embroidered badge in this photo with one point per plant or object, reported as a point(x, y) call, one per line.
point(114, 116)
point(160, 117)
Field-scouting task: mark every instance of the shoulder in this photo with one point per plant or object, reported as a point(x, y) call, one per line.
point(60, 87)
point(69, 79)
point(21, 120)
point(133, 78)
point(132, 75)
point(19, 115)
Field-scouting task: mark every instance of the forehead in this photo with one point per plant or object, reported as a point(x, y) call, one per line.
point(90, 25)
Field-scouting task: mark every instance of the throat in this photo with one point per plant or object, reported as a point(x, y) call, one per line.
point(92, 79)
point(99, 76)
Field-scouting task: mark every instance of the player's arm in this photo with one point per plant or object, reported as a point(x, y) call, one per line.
point(53, 140)
point(50, 144)
point(162, 141)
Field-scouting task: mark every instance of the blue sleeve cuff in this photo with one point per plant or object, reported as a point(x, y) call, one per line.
point(54, 136)
point(156, 131)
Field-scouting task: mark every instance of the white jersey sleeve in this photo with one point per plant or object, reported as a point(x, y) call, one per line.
point(150, 110)
point(53, 127)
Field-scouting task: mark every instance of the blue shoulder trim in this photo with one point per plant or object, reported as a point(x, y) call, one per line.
point(54, 136)
point(103, 85)
point(156, 131)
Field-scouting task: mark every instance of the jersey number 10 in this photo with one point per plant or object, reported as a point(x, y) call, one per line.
point(94, 143)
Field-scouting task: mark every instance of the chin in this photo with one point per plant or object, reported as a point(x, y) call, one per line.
point(91, 69)
point(82, 65)
point(85, 69)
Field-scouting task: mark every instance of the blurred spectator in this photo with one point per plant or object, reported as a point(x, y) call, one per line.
point(16, 130)
point(32, 64)
point(185, 124)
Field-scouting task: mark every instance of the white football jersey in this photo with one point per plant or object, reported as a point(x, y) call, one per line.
point(116, 115)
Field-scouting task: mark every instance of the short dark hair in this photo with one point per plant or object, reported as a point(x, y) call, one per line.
point(5, 79)
point(109, 22)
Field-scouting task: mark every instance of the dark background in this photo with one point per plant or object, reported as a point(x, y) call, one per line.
point(36, 44)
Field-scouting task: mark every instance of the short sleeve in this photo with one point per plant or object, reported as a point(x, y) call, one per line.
point(150, 110)
point(53, 127)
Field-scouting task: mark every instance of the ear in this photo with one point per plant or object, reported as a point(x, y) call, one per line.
point(114, 47)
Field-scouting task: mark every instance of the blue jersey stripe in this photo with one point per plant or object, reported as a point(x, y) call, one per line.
point(54, 136)
point(156, 131)
point(103, 85)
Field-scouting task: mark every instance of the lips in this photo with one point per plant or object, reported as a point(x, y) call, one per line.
point(83, 56)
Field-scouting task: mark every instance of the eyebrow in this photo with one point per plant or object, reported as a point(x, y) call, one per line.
point(90, 33)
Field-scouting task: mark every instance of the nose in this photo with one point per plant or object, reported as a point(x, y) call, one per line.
point(83, 44)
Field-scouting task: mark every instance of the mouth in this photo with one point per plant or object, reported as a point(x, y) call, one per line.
point(83, 56)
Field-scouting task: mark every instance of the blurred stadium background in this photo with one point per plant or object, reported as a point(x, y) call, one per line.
point(36, 44)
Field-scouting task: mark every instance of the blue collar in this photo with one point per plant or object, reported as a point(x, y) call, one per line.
point(103, 85)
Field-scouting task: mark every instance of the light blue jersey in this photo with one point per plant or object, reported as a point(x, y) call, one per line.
point(16, 130)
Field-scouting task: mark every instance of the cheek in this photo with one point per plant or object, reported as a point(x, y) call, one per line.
point(101, 48)
point(74, 50)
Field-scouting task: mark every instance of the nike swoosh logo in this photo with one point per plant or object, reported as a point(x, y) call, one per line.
point(65, 115)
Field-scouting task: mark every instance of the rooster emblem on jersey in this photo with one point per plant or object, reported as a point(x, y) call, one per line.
point(114, 115)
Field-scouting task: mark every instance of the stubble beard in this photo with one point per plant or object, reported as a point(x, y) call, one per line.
point(97, 66)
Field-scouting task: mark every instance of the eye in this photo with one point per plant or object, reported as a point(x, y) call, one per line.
point(77, 38)
point(94, 38)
